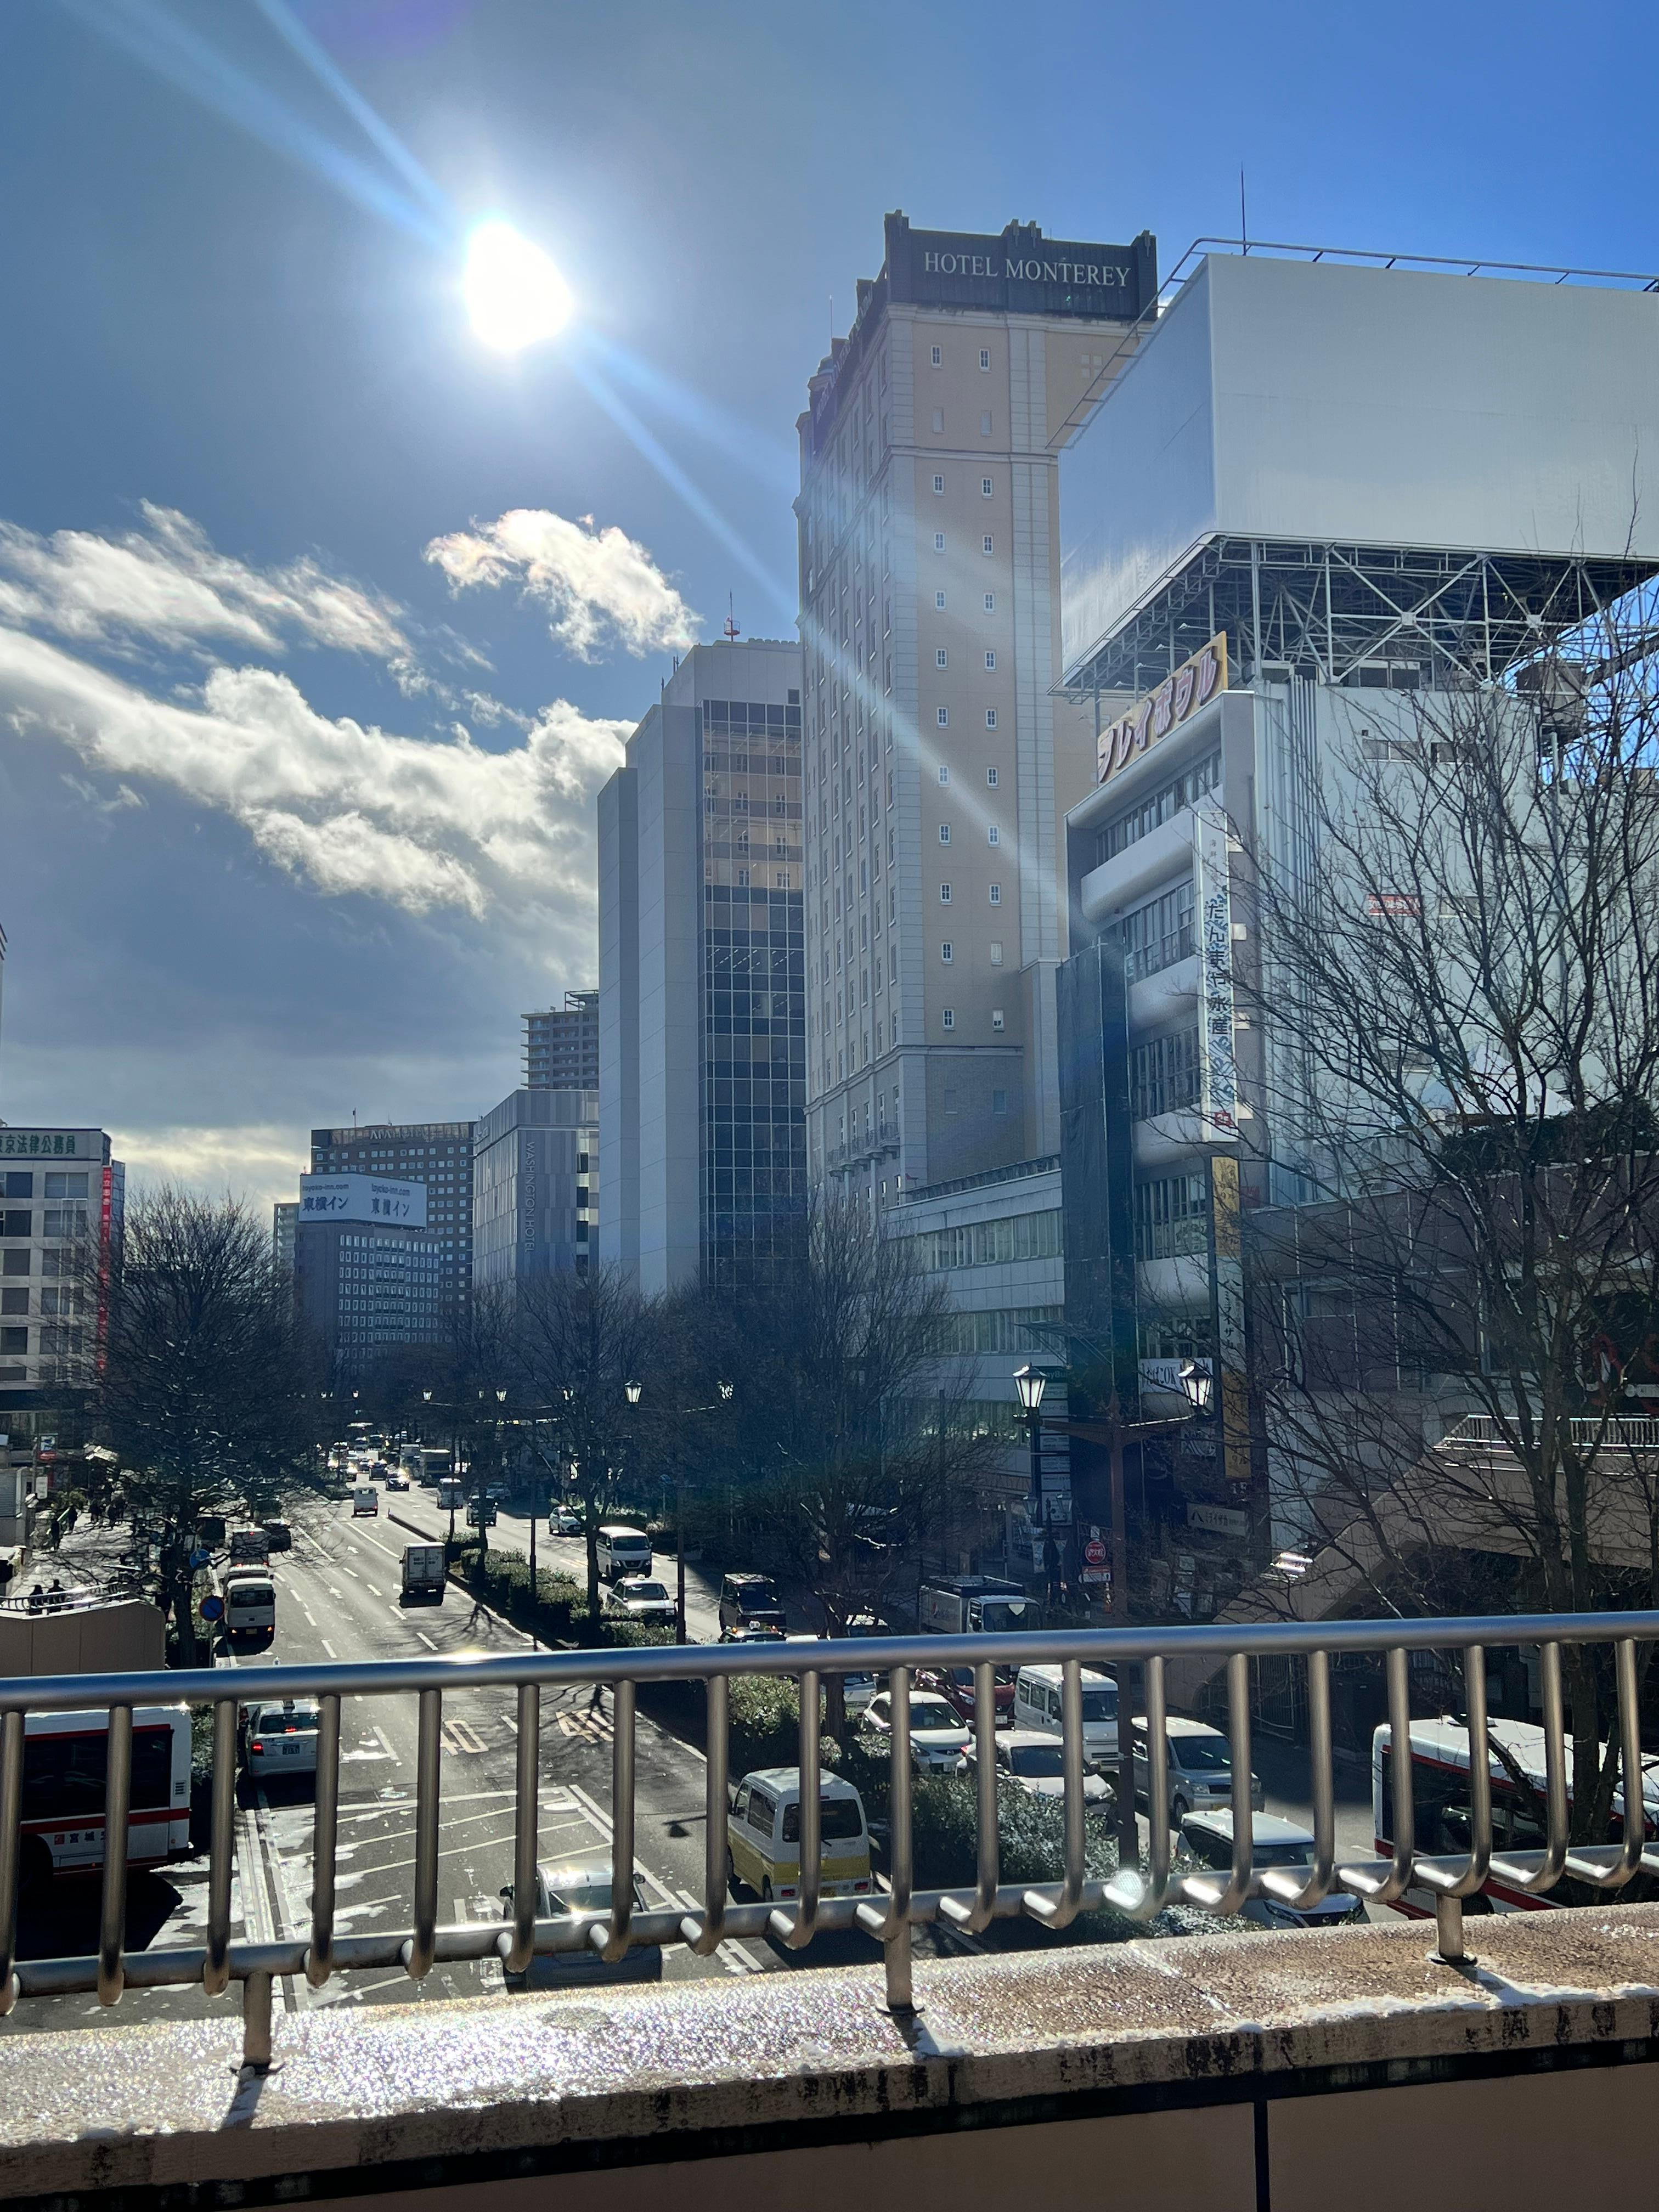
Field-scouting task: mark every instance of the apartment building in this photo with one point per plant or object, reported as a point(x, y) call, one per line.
point(937, 762)
point(562, 1045)
point(61, 1198)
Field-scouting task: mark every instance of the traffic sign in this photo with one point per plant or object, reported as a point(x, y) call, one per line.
point(213, 1608)
point(201, 1558)
point(1094, 1553)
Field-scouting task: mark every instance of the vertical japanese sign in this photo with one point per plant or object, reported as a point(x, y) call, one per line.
point(1227, 1316)
point(1217, 1070)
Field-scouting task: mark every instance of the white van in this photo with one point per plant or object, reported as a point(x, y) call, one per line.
point(250, 1601)
point(622, 1551)
point(1036, 1705)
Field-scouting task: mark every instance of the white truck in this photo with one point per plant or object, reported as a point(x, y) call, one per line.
point(426, 1572)
point(974, 1605)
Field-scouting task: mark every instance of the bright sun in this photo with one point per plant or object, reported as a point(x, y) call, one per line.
point(515, 295)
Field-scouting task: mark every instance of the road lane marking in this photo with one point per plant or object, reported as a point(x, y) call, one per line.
point(334, 1590)
point(596, 1727)
point(354, 1573)
point(329, 1648)
point(460, 1735)
point(370, 1587)
point(730, 1954)
point(425, 1639)
point(384, 1742)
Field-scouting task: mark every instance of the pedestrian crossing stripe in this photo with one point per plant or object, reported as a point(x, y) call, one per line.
point(594, 1726)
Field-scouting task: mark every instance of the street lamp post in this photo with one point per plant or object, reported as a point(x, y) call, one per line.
point(1031, 1382)
point(632, 1390)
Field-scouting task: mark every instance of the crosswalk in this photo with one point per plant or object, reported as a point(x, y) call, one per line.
point(595, 1725)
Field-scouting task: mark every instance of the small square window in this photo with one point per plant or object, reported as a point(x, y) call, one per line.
point(990, 658)
point(991, 777)
point(990, 718)
point(985, 356)
point(938, 601)
point(944, 713)
point(946, 950)
point(944, 894)
point(938, 485)
point(987, 486)
point(996, 1017)
point(938, 357)
point(950, 1017)
point(990, 603)
point(945, 775)
point(989, 547)
point(996, 894)
point(938, 419)
point(996, 952)
point(944, 833)
point(993, 835)
point(940, 657)
point(939, 541)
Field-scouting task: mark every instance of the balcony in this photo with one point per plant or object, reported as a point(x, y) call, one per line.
point(1242, 2067)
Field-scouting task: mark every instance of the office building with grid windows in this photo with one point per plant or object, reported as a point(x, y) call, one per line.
point(61, 1198)
point(703, 1171)
point(439, 1155)
point(562, 1045)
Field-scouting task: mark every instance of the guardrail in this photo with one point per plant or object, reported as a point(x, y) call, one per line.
point(1613, 1432)
point(1140, 1892)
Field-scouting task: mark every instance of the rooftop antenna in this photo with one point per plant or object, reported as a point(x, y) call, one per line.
point(732, 633)
point(1244, 225)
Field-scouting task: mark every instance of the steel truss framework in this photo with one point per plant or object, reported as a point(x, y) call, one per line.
point(1401, 616)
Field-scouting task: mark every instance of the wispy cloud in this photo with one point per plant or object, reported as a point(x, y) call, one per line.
point(597, 585)
point(166, 587)
point(422, 824)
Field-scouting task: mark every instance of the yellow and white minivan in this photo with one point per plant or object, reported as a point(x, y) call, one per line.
point(762, 1837)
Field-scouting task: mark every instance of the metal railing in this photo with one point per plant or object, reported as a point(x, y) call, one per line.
point(1141, 1892)
point(1613, 1432)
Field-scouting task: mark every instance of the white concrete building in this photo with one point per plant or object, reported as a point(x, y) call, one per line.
point(61, 1198)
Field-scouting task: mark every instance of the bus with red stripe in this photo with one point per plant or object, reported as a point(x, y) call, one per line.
point(65, 1766)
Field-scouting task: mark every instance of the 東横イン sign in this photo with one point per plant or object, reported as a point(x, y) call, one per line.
point(1192, 685)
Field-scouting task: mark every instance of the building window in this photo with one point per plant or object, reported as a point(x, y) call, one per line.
point(985, 357)
point(991, 777)
point(944, 833)
point(944, 774)
point(938, 601)
point(989, 547)
point(949, 1024)
point(990, 603)
point(996, 952)
point(939, 486)
point(944, 713)
point(944, 894)
point(996, 1017)
point(996, 894)
point(938, 357)
point(990, 658)
point(938, 419)
point(941, 658)
point(990, 718)
point(993, 835)
point(939, 541)
point(998, 1102)
point(985, 486)
point(947, 951)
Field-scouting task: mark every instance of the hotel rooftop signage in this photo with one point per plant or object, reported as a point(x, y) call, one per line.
point(1019, 271)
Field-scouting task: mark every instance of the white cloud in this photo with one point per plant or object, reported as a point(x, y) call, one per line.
point(421, 823)
point(595, 583)
point(168, 587)
point(259, 1161)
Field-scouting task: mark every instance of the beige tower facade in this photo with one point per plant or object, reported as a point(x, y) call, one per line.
point(938, 762)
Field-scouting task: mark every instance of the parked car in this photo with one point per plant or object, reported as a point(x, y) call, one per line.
point(938, 1736)
point(747, 1600)
point(1199, 1766)
point(568, 1523)
point(1037, 1705)
point(956, 1686)
point(1036, 1764)
point(762, 1837)
point(640, 1599)
point(280, 1739)
point(573, 1888)
point(279, 1537)
point(1274, 1844)
point(623, 1551)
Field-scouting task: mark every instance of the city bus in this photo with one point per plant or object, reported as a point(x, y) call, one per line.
point(65, 1761)
point(1440, 1799)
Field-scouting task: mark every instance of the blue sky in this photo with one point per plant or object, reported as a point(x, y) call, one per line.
point(320, 624)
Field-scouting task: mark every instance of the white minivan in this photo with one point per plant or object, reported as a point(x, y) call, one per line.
point(622, 1552)
point(250, 1597)
point(1036, 1705)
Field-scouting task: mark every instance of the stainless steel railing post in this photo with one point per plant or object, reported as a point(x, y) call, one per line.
point(1280, 1882)
point(325, 1844)
point(417, 1952)
point(11, 1851)
point(1145, 1900)
point(705, 1936)
point(526, 1811)
point(118, 1808)
point(892, 1927)
point(221, 1847)
point(971, 1917)
point(797, 1929)
point(610, 1940)
point(1059, 1911)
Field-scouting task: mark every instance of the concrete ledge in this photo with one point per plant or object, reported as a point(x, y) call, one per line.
point(436, 2096)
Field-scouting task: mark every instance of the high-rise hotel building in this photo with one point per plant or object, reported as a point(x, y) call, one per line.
point(938, 761)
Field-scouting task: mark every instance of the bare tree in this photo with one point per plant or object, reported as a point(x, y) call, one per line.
point(1460, 985)
point(577, 1341)
point(208, 1389)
